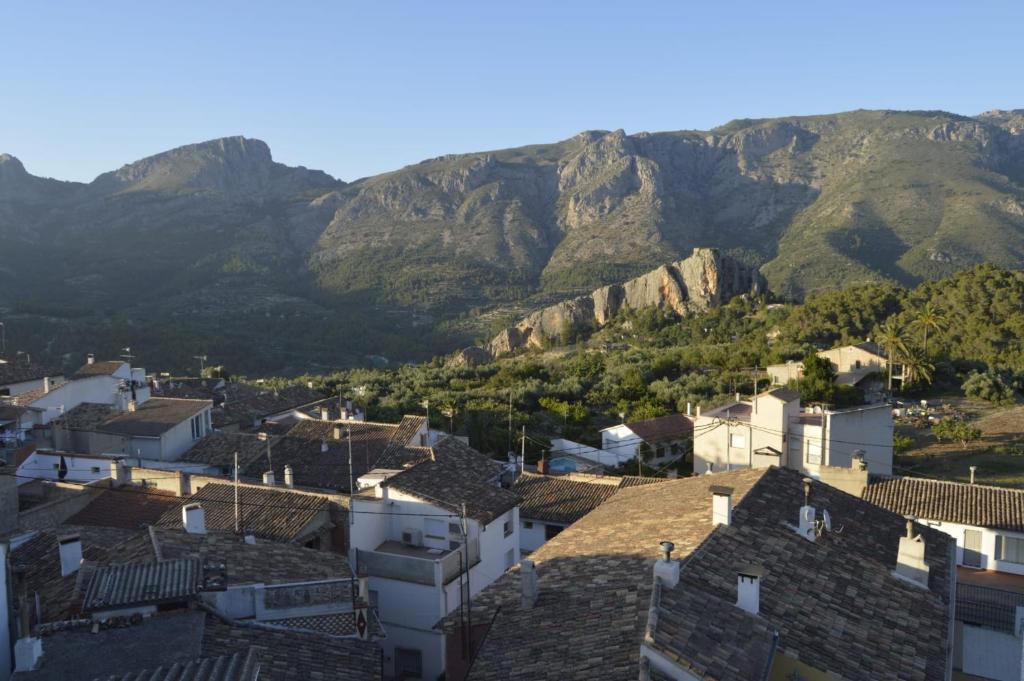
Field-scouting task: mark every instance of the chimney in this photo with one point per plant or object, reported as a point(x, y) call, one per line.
point(289, 476)
point(323, 446)
point(117, 471)
point(183, 484)
point(70, 547)
point(857, 462)
point(528, 584)
point(807, 514)
point(90, 358)
point(325, 413)
point(27, 653)
point(721, 505)
point(249, 537)
point(973, 471)
point(689, 409)
point(193, 518)
point(748, 588)
point(698, 411)
point(542, 466)
point(46, 384)
point(737, 397)
point(132, 406)
point(666, 569)
point(910, 564)
point(268, 478)
point(336, 432)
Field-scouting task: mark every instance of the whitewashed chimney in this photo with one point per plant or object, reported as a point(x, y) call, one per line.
point(46, 384)
point(974, 469)
point(665, 569)
point(70, 547)
point(910, 564)
point(27, 653)
point(193, 518)
point(90, 358)
point(289, 476)
point(748, 588)
point(698, 411)
point(529, 587)
point(336, 432)
point(325, 413)
point(721, 505)
point(268, 478)
point(689, 409)
point(324, 447)
point(117, 473)
point(132, 406)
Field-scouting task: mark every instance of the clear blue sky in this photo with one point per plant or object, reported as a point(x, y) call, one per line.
point(360, 88)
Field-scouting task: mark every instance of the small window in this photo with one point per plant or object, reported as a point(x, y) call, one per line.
point(527, 524)
point(454, 528)
point(737, 441)
point(454, 545)
point(551, 531)
point(814, 453)
point(95, 469)
point(56, 466)
point(1012, 549)
point(408, 663)
point(507, 527)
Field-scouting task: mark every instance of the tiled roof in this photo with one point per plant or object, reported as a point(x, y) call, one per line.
point(559, 500)
point(265, 561)
point(85, 416)
point(637, 480)
point(218, 450)
point(129, 507)
point(10, 412)
point(293, 656)
point(29, 396)
point(457, 475)
point(161, 581)
point(999, 508)
point(154, 417)
point(16, 371)
point(245, 403)
point(107, 368)
point(275, 514)
point(834, 602)
point(784, 394)
point(662, 429)
point(312, 467)
point(237, 667)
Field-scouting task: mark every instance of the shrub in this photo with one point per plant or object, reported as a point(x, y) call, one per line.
point(953, 430)
point(988, 385)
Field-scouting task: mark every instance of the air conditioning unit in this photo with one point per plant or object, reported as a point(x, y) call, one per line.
point(412, 537)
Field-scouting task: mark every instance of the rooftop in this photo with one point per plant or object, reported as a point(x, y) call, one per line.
point(218, 450)
point(999, 508)
point(128, 507)
point(559, 500)
point(115, 586)
point(662, 429)
point(245, 403)
point(830, 600)
point(85, 416)
point(18, 371)
point(154, 417)
point(269, 513)
point(106, 368)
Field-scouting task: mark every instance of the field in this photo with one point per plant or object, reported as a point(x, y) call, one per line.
point(999, 454)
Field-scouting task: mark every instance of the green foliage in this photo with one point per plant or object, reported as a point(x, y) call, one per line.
point(901, 443)
point(818, 383)
point(988, 385)
point(956, 430)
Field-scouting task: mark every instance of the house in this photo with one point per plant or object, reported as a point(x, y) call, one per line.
point(215, 453)
point(730, 577)
point(19, 376)
point(987, 524)
point(158, 429)
point(318, 451)
point(430, 533)
point(655, 440)
point(772, 429)
point(549, 504)
point(181, 595)
point(567, 462)
point(853, 364)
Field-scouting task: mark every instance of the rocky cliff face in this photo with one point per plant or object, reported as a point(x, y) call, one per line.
point(704, 280)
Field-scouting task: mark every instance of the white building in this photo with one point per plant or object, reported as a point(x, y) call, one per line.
point(772, 429)
point(662, 438)
point(430, 536)
point(549, 504)
point(19, 376)
point(852, 364)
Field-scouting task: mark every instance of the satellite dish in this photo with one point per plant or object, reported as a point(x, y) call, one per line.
point(828, 520)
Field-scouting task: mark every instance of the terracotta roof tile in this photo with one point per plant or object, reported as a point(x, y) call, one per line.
point(999, 508)
point(559, 500)
point(127, 507)
point(662, 429)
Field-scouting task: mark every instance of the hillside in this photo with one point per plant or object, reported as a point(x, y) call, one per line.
point(214, 248)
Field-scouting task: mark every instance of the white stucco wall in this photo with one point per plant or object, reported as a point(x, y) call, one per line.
point(991, 654)
point(867, 428)
point(67, 396)
point(5, 624)
point(532, 538)
point(40, 465)
point(611, 458)
point(620, 440)
point(988, 545)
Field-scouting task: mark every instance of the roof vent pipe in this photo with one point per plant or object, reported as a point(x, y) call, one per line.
point(667, 570)
point(336, 432)
point(808, 514)
point(268, 478)
point(973, 470)
point(325, 413)
point(90, 358)
point(910, 565)
point(289, 476)
point(528, 584)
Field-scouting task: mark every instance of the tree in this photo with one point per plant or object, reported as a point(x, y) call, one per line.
point(929, 318)
point(818, 383)
point(917, 369)
point(892, 338)
point(960, 431)
point(901, 443)
point(988, 385)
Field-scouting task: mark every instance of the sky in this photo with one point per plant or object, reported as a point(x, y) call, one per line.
point(357, 89)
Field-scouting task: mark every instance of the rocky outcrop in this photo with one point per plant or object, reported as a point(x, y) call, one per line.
point(705, 280)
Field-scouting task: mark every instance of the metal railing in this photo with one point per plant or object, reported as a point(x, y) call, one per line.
point(987, 607)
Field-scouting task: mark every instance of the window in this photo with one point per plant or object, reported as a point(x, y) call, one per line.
point(95, 469)
point(454, 545)
point(454, 528)
point(408, 663)
point(814, 452)
point(737, 440)
point(551, 531)
point(972, 548)
point(510, 559)
point(527, 524)
point(1012, 549)
point(507, 527)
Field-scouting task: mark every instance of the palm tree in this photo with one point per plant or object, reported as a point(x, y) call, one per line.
point(929, 318)
point(918, 368)
point(891, 337)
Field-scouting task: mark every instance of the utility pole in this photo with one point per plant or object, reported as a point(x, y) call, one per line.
point(3, 340)
point(510, 420)
point(266, 437)
point(202, 363)
point(469, 584)
point(238, 521)
point(522, 455)
point(351, 482)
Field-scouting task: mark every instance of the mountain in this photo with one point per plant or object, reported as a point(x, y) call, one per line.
point(705, 280)
point(227, 252)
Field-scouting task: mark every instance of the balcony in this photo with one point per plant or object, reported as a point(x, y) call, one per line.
point(416, 564)
point(985, 606)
